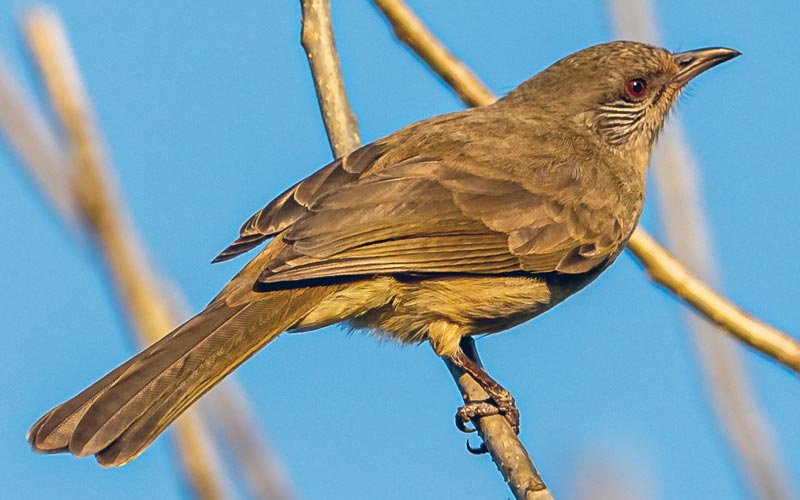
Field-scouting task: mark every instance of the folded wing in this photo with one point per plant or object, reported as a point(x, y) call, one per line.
point(424, 216)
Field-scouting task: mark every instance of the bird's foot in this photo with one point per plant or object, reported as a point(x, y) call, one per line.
point(501, 403)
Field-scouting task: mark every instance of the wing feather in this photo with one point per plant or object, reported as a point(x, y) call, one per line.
point(293, 203)
point(372, 213)
point(423, 216)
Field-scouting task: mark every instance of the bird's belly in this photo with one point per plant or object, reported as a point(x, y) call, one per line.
point(474, 304)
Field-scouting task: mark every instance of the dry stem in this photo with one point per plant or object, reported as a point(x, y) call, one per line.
point(317, 38)
point(320, 46)
point(410, 30)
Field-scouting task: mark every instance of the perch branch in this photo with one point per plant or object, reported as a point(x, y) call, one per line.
point(317, 38)
point(502, 443)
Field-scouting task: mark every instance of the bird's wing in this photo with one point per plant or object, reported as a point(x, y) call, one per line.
point(293, 203)
point(424, 216)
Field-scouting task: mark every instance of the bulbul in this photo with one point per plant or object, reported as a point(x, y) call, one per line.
point(462, 224)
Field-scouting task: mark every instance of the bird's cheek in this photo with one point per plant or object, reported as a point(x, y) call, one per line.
point(585, 120)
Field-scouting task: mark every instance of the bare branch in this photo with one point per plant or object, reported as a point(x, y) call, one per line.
point(744, 423)
point(317, 38)
point(468, 87)
point(318, 42)
point(501, 441)
point(410, 30)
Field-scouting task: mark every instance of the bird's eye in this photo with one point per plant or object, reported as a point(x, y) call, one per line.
point(636, 88)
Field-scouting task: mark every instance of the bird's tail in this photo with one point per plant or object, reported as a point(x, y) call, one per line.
point(118, 416)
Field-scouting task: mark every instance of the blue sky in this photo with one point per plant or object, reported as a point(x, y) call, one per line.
point(209, 112)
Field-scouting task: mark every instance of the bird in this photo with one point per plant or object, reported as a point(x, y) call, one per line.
point(463, 224)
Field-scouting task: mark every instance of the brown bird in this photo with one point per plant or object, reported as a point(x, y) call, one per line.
point(461, 224)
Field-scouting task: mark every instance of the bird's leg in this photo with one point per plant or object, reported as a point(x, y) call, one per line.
point(500, 401)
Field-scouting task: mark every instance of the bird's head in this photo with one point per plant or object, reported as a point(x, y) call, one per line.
point(620, 91)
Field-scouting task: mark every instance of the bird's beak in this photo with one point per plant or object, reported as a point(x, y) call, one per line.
point(693, 62)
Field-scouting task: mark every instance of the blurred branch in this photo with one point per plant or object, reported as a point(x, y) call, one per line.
point(317, 39)
point(609, 473)
point(745, 426)
point(230, 411)
point(94, 195)
point(34, 144)
point(466, 85)
point(150, 310)
point(96, 199)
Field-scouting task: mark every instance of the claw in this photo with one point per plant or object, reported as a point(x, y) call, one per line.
point(480, 450)
point(499, 402)
point(512, 415)
point(463, 423)
point(476, 409)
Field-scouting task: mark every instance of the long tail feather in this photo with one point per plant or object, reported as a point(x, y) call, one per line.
point(117, 417)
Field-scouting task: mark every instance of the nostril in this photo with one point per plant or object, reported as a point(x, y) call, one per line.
point(684, 60)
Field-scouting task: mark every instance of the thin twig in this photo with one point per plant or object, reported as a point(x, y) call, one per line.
point(467, 87)
point(432, 51)
point(151, 310)
point(317, 38)
point(746, 427)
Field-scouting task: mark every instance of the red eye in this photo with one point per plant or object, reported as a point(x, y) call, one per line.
point(636, 87)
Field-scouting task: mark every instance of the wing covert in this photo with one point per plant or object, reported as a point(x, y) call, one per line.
point(293, 203)
point(423, 216)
